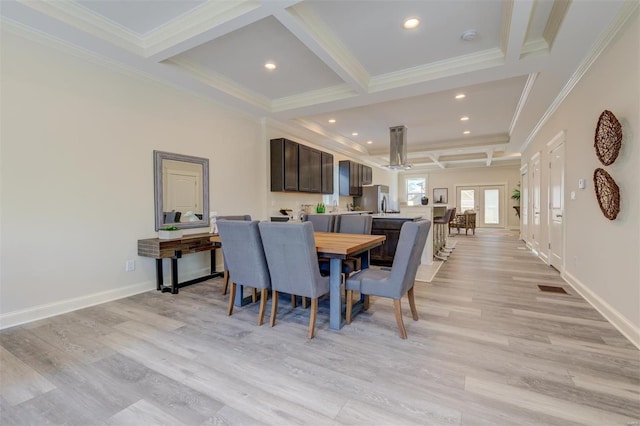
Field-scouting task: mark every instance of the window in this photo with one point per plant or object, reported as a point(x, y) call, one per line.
point(416, 189)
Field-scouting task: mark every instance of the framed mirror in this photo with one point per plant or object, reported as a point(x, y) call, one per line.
point(181, 190)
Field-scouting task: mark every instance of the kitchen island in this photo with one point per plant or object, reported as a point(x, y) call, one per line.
point(388, 225)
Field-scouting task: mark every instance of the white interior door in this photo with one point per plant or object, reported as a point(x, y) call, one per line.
point(535, 203)
point(556, 206)
point(487, 201)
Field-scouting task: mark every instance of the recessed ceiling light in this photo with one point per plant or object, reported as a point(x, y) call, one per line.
point(411, 23)
point(354, 134)
point(466, 132)
point(465, 118)
point(460, 96)
point(332, 120)
point(369, 142)
point(270, 66)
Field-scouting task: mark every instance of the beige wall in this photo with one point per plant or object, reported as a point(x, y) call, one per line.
point(601, 256)
point(77, 175)
point(450, 178)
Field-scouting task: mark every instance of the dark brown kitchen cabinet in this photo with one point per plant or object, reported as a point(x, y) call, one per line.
point(367, 175)
point(350, 178)
point(327, 173)
point(284, 165)
point(309, 169)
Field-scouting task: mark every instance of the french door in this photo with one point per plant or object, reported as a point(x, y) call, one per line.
point(486, 200)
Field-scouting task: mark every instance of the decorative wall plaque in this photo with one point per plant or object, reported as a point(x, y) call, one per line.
point(607, 193)
point(608, 138)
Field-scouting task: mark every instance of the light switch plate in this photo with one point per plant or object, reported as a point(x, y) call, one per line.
point(581, 183)
point(573, 195)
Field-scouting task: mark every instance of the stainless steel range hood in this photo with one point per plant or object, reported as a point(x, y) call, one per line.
point(398, 148)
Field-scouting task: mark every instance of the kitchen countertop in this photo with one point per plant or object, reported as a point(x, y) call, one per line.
point(396, 216)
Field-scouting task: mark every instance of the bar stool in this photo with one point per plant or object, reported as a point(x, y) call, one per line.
point(441, 225)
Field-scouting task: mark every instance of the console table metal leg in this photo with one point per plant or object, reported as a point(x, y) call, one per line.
point(159, 278)
point(174, 272)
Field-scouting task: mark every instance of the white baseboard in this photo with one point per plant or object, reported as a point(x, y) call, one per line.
point(23, 316)
point(543, 256)
point(623, 325)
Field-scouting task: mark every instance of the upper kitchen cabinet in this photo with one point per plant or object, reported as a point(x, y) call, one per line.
point(284, 165)
point(367, 175)
point(350, 178)
point(327, 173)
point(309, 169)
point(300, 168)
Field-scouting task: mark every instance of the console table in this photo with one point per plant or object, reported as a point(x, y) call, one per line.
point(174, 250)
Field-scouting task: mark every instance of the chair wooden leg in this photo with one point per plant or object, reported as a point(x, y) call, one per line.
point(365, 304)
point(304, 302)
point(312, 317)
point(412, 304)
point(254, 295)
point(294, 301)
point(264, 294)
point(398, 311)
point(274, 306)
point(225, 282)
point(349, 303)
point(233, 292)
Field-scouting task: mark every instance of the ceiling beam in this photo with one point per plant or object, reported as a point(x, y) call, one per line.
point(515, 23)
point(489, 157)
point(314, 34)
point(435, 158)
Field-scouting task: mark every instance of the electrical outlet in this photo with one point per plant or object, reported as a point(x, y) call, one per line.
point(130, 265)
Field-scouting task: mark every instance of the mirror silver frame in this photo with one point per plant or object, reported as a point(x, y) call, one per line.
point(158, 157)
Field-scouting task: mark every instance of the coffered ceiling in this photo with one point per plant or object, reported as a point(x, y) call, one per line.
point(353, 62)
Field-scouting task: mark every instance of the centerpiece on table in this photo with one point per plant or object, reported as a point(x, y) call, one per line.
point(169, 233)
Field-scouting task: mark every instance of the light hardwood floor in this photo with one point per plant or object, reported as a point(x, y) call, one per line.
point(489, 349)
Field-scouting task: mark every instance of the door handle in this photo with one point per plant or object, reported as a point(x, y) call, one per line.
point(558, 215)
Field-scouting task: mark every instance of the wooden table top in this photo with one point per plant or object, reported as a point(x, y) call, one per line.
point(346, 244)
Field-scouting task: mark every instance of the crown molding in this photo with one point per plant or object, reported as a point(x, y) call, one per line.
point(222, 84)
point(528, 86)
point(313, 97)
point(462, 64)
point(195, 22)
point(77, 16)
point(618, 24)
point(556, 16)
point(538, 46)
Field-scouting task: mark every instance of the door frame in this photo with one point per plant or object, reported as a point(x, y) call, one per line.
point(524, 202)
point(557, 141)
point(534, 241)
point(504, 217)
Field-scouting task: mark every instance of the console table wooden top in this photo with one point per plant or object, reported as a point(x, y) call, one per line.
point(192, 243)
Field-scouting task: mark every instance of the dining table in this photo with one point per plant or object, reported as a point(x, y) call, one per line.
point(337, 247)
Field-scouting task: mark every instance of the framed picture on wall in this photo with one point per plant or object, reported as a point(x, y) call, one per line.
point(440, 195)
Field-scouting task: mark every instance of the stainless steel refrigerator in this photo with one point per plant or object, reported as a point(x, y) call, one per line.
point(374, 198)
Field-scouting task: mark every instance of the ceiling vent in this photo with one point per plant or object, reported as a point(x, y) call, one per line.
point(398, 148)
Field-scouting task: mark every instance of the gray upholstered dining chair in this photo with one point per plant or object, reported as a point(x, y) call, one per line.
point(400, 279)
point(293, 265)
point(225, 279)
point(244, 256)
point(321, 222)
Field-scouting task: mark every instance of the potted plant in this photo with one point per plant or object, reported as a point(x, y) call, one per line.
point(424, 200)
point(515, 195)
point(170, 233)
point(320, 208)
